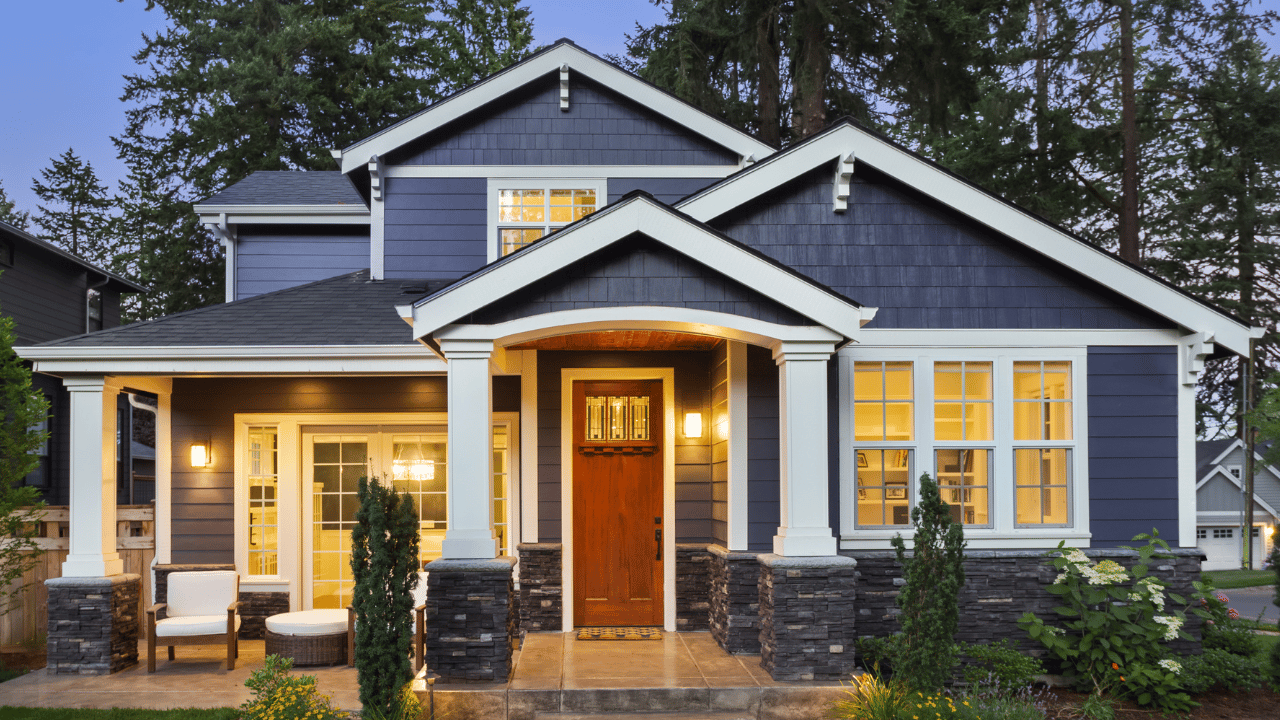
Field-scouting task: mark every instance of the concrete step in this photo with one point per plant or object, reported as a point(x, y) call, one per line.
point(646, 716)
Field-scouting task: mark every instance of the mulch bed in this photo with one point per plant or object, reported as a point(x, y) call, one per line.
point(1262, 704)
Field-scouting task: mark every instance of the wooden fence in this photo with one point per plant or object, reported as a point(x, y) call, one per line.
point(135, 541)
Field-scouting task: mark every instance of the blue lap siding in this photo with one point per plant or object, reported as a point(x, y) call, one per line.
point(435, 227)
point(270, 259)
point(1133, 443)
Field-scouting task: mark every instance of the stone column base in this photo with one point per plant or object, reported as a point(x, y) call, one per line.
point(735, 600)
point(472, 623)
point(693, 587)
point(541, 587)
point(807, 612)
point(93, 624)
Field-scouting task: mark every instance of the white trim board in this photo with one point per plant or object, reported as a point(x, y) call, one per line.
point(668, 376)
point(1018, 225)
point(349, 360)
point(603, 228)
point(546, 63)
point(555, 172)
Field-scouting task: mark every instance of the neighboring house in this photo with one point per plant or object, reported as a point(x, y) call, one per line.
point(685, 378)
point(1220, 466)
point(52, 294)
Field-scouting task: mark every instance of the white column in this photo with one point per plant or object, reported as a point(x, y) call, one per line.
point(804, 529)
point(93, 479)
point(164, 478)
point(736, 370)
point(470, 463)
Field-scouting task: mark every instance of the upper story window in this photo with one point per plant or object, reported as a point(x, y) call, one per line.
point(93, 309)
point(6, 253)
point(524, 211)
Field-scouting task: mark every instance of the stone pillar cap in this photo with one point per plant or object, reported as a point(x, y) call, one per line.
point(824, 561)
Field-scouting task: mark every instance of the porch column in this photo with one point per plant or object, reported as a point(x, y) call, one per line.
point(470, 459)
point(93, 479)
point(804, 529)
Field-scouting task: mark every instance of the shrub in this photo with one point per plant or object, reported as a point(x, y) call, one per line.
point(1223, 627)
point(933, 577)
point(872, 698)
point(999, 667)
point(384, 564)
point(1115, 622)
point(1201, 673)
point(277, 695)
point(1022, 705)
point(878, 653)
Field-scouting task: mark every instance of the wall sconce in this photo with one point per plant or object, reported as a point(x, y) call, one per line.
point(200, 455)
point(693, 425)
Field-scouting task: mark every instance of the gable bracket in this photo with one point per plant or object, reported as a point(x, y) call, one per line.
point(226, 234)
point(376, 175)
point(843, 180)
point(1195, 349)
point(564, 87)
point(748, 161)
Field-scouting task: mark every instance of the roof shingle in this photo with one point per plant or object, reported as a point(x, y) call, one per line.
point(290, 187)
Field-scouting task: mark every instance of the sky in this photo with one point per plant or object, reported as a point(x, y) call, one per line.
point(64, 92)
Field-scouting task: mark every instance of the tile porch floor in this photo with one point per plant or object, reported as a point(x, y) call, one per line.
point(555, 675)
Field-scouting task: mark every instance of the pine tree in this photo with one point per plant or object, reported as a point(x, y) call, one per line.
point(10, 214)
point(77, 215)
point(384, 564)
point(22, 408)
point(236, 86)
point(933, 575)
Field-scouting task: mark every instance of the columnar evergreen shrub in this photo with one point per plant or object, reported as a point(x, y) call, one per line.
point(22, 409)
point(384, 564)
point(934, 574)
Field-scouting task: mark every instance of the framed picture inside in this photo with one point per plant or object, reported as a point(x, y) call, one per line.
point(862, 460)
point(896, 493)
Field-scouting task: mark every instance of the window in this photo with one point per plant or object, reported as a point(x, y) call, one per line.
point(263, 485)
point(93, 310)
point(1202, 533)
point(883, 411)
point(1042, 416)
point(963, 412)
point(1234, 470)
point(521, 212)
point(1000, 432)
point(1224, 533)
point(6, 252)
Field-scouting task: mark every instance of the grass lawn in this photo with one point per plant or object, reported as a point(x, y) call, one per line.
point(22, 713)
point(1227, 579)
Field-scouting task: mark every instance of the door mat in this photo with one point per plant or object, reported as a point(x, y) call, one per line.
point(620, 633)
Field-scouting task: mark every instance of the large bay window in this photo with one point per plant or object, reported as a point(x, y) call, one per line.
point(999, 432)
point(523, 211)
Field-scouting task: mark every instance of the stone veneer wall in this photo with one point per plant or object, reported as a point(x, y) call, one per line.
point(693, 587)
point(93, 624)
point(1000, 585)
point(472, 624)
point(807, 617)
point(255, 607)
point(541, 590)
point(735, 600)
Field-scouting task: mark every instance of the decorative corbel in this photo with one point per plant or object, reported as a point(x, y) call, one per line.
point(1195, 349)
point(748, 161)
point(226, 234)
point(842, 181)
point(375, 177)
point(564, 87)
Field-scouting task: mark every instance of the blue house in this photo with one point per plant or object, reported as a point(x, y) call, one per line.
point(638, 368)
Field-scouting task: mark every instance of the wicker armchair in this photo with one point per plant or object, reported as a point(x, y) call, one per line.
point(202, 609)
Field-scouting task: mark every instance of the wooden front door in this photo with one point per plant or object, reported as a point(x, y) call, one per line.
point(617, 503)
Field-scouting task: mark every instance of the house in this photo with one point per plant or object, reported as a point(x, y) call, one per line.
point(649, 368)
point(52, 294)
point(1220, 496)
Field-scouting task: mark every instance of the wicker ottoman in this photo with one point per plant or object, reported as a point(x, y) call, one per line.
point(310, 637)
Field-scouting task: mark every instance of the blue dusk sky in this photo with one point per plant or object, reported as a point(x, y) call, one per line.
point(64, 86)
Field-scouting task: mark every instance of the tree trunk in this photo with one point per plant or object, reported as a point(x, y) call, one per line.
point(810, 71)
point(1042, 99)
point(1129, 245)
point(770, 87)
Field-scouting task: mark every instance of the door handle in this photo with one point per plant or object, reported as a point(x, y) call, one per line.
point(657, 536)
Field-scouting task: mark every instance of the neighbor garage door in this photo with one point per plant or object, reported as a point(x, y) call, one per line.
point(1221, 547)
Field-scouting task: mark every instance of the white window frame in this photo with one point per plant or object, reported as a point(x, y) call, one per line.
point(289, 491)
point(493, 243)
point(1003, 531)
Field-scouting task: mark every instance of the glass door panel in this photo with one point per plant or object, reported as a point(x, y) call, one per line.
point(338, 462)
point(418, 468)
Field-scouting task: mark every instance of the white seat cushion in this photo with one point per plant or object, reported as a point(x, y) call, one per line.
point(309, 622)
point(193, 594)
point(194, 625)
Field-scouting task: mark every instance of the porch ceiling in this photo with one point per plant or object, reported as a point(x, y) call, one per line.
point(623, 340)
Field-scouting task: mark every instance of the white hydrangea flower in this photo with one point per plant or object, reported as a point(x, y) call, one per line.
point(1171, 665)
point(1172, 623)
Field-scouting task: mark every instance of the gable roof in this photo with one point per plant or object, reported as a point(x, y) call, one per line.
point(123, 284)
point(290, 187)
point(640, 213)
point(1211, 453)
point(846, 139)
point(343, 310)
point(562, 53)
